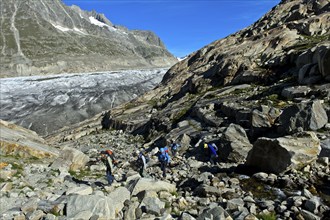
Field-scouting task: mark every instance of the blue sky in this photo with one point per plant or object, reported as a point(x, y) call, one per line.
point(183, 25)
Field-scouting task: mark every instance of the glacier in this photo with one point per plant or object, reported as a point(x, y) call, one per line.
point(45, 104)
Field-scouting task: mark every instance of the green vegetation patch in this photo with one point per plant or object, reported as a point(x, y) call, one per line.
point(270, 216)
point(258, 189)
point(310, 41)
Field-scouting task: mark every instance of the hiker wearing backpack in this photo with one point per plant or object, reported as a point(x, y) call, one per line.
point(164, 159)
point(174, 148)
point(142, 163)
point(108, 158)
point(212, 150)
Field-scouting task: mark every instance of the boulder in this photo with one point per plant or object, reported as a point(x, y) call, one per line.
point(324, 61)
point(277, 155)
point(307, 115)
point(325, 148)
point(80, 190)
point(207, 115)
point(295, 91)
point(204, 190)
point(309, 74)
point(236, 144)
point(313, 64)
point(152, 185)
point(30, 206)
point(152, 205)
point(214, 213)
point(71, 158)
point(86, 206)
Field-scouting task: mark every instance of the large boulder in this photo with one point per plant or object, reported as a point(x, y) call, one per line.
point(144, 184)
point(71, 159)
point(214, 213)
point(306, 115)
point(313, 64)
point(325, 148)
point(105, 207)
point(324, 61)
point(262, 120)
point(236, 144)
point(207, 115)
point(277, 155)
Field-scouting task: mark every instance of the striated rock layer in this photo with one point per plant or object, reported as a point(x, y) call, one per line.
point(18, 141)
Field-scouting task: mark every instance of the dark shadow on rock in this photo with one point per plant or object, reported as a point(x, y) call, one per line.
point(106, 120)
point(189, 184)
point(80, 181)
point(99, 184)
point(239, 169)
point(215, 169)
point(246, 170)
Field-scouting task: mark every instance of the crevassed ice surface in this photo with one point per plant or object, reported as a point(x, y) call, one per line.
point(47, 103)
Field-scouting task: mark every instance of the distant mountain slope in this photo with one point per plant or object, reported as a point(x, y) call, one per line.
point(46, 36)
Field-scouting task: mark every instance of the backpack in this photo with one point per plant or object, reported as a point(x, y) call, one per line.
point(146, 158)
point(109, 152)
point(164, 157)
point(212, 149)
point(175, 146)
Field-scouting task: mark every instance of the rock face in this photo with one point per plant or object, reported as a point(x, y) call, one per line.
point(274, 52)
point(307, 116)
point(280, 154)
point(18, 141)
point(54, 38)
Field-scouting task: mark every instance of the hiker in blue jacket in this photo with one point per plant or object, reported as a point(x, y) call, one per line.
point(212, 149)
point(174, 148)
point(164, 159)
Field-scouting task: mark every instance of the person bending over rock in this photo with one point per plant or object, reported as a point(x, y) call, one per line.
point(212, 150)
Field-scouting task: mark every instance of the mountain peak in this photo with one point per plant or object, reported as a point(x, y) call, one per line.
point(55, 38)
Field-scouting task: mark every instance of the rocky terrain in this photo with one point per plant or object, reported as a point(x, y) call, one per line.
point(54, 38)
point(262, 95)
point(73, 185)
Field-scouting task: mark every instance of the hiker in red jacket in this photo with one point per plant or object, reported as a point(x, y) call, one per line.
point(108, 159)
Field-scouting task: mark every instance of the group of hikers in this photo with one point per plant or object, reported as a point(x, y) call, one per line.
point(108, 158)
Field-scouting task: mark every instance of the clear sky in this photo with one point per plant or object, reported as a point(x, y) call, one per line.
point(183, 25)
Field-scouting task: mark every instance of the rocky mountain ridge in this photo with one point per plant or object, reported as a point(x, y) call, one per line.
point(54, 38)
point(280, 60)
